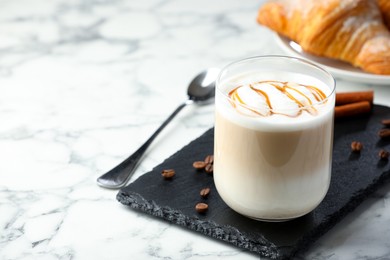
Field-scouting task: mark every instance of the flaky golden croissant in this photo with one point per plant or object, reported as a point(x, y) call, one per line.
point(384, 6)
point(348, 30)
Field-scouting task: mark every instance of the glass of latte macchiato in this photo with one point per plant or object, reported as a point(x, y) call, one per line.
point(273, 136)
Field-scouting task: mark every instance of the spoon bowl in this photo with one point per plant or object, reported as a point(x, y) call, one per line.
point(202, 87)
point(200, 90)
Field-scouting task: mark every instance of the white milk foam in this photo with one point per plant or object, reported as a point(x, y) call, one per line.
point(267, 119)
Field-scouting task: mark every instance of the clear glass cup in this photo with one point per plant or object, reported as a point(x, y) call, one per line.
point(273, 167)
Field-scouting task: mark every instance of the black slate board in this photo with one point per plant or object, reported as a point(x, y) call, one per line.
point(354, 177)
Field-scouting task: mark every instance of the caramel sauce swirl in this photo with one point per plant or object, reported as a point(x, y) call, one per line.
point(302, 97)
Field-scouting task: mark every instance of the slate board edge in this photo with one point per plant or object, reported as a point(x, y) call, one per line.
point(229, 234)
point(336, 217)
point(221, 232)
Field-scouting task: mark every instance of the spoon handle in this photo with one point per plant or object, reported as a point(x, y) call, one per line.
point(118, 176)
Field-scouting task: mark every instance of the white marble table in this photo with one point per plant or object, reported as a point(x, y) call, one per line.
point(83, 84)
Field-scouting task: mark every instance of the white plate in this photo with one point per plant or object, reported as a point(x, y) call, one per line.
point(337, 68)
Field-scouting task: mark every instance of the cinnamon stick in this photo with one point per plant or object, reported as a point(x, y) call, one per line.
point(353, 109)
point(353, 97)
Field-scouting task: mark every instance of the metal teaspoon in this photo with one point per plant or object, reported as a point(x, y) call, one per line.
point(201, 89)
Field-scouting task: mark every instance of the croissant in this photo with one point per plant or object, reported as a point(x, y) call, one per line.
point(384, 6)
point(348, 30)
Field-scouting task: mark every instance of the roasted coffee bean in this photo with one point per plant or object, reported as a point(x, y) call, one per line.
point(209, 168)
point(384, 133)
point(168, 173)
point(386, 122)
point(199, 165)
point(201, 207)
point(204, 193)
point(383, 154)
point(356, 146)
point(209, 159)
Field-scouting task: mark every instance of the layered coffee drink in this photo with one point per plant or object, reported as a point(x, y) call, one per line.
point(273, 139)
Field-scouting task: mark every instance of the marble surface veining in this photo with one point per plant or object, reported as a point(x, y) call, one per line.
point(83, 83)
